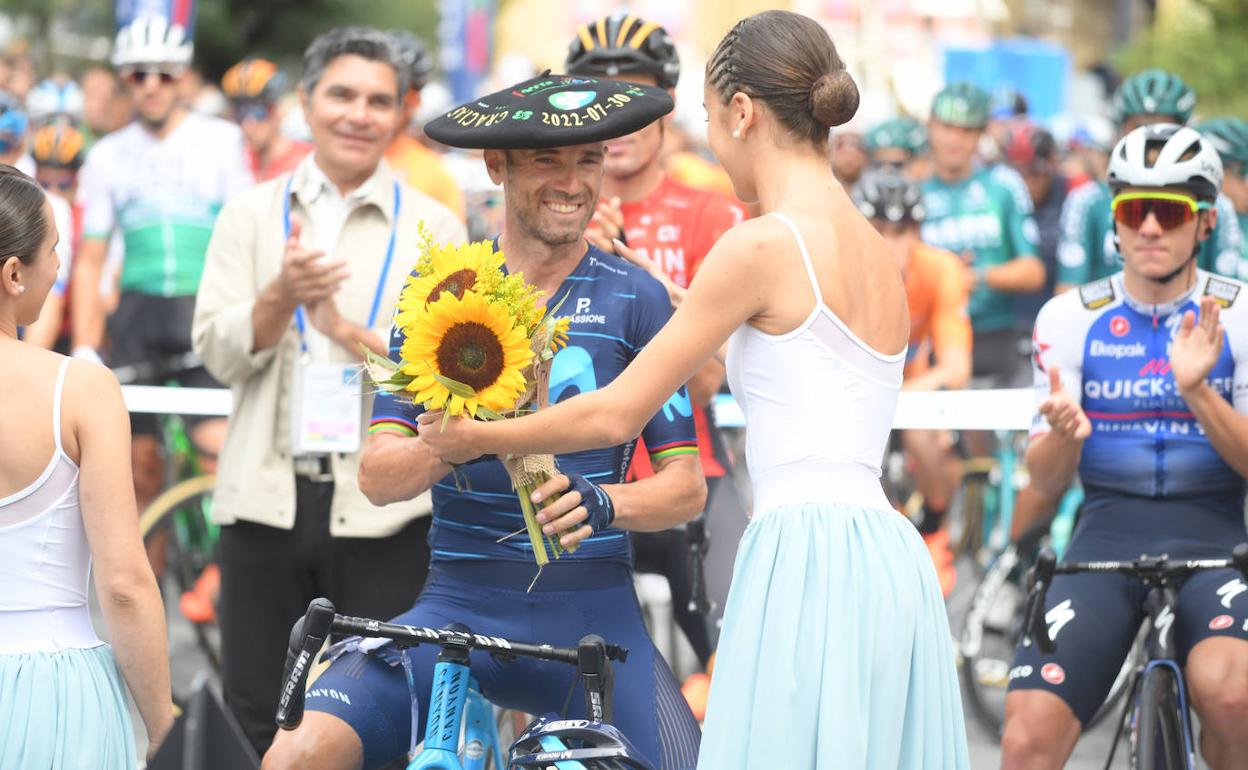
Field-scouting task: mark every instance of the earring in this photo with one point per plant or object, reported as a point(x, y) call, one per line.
point(21, 289)
point(736, 133)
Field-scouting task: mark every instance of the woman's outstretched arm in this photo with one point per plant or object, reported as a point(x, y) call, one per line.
point(727, 291)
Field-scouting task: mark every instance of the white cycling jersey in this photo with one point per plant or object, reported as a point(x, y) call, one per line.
point(162, 196)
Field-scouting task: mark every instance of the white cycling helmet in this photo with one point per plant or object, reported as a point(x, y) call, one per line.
point(1166, 155)
point(52, 98)
point(152, 40)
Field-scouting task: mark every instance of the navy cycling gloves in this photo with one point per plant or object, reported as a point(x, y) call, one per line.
point(597, 503)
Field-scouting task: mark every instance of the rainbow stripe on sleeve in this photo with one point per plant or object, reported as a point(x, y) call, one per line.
point(672, 449)
point(392, 424)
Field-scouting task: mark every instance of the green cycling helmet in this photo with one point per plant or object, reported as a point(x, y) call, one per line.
point(1154, 92)
point(1229, 136)
point(901, 133)
point(962, 104)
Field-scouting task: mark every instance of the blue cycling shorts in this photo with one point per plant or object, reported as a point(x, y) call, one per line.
point(1094, 617)
point(370, 691)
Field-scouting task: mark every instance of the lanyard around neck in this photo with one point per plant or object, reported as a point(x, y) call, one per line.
point(300, 321)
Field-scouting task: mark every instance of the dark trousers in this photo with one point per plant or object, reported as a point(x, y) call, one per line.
point(269, 575)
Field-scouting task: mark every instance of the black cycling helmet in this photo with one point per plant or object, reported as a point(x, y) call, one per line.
point(890, 197)
point(595, 745)
point(622, 44)
point(414, 55)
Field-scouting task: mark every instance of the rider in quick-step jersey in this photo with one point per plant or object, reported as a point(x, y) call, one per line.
point(1087, 250)
point(1142, 386)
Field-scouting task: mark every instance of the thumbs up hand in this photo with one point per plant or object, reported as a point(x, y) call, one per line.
point(1063, 411)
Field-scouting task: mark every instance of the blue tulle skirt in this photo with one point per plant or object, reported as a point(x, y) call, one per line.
point(835, 650)
point(64, 711)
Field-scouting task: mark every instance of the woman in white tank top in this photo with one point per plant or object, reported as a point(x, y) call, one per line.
point(835, 650)
point(66, 500)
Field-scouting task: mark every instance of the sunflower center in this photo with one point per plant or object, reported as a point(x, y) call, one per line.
point(456, 283)
point(471, 353)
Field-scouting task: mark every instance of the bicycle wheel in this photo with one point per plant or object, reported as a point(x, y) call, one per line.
point(184, 508)
point(1160, 743)
point(988, 638)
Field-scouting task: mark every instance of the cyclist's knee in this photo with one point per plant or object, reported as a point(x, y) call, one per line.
point(322, 742)
point(1040, 731)
point(1217, 675)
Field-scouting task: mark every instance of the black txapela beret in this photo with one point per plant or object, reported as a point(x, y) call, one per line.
point(551, 111)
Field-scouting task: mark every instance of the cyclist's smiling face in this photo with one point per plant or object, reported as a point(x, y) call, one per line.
point(953, 147)
point(352, 113)
point(632, 154)
point(1151, 251)
point(550, 194)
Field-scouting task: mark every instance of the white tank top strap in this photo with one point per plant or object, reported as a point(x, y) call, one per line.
point(801, 245)
point(56, 403)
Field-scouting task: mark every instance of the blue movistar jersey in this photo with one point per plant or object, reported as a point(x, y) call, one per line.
point(615, 309)
point(1115, 352)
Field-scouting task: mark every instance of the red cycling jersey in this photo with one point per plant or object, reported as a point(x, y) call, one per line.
point(676, 226)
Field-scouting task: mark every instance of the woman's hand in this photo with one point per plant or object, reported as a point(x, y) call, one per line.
point(451, 442)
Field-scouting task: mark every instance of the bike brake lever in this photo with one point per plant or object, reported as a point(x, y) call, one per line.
point(1240, 557)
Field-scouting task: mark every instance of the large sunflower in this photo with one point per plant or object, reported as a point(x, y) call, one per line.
point(470, 341)
point(450, 269)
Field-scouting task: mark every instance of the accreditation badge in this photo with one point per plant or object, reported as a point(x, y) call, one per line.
point(327, 408)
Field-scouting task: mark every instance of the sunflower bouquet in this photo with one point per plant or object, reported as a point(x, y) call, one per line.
point(478, 342)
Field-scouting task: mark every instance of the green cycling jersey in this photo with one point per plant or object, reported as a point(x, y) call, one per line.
point(986, 217)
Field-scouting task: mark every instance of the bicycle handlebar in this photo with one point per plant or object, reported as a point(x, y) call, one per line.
point(589, 657)
point(1152, 569)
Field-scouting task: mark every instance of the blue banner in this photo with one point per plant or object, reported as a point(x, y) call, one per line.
point(465, 32)
point(176, 11)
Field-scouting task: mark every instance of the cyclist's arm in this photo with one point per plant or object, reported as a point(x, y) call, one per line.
point(98, 221)
point(396, 465)
point(1052, 459)
point(673, 495)
point(1073, 267)
point(1229, 258)
point(86, 307)
point(1018, 276)
point(1024, 272)
point(224, 333)
point(951, 335)
point(129, 598)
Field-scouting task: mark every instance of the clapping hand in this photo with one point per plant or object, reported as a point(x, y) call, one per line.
point(307, 277)
point(1063, 411)
point(449, 439)
point(1197, 345)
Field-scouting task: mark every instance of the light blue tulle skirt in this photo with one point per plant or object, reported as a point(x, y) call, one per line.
point(835, 650)
point(64, 711)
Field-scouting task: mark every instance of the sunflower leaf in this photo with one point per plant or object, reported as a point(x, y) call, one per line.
point(486, 413)
point(455, 387)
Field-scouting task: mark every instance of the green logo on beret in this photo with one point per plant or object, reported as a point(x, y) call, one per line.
point(572, 100)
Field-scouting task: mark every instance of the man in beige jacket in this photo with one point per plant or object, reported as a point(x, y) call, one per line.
point(303, 273)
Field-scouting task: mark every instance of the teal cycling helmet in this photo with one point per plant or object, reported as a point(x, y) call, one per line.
point(1229, 136)
point(900, 133)
point(1154, 92)
point(962, 104)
